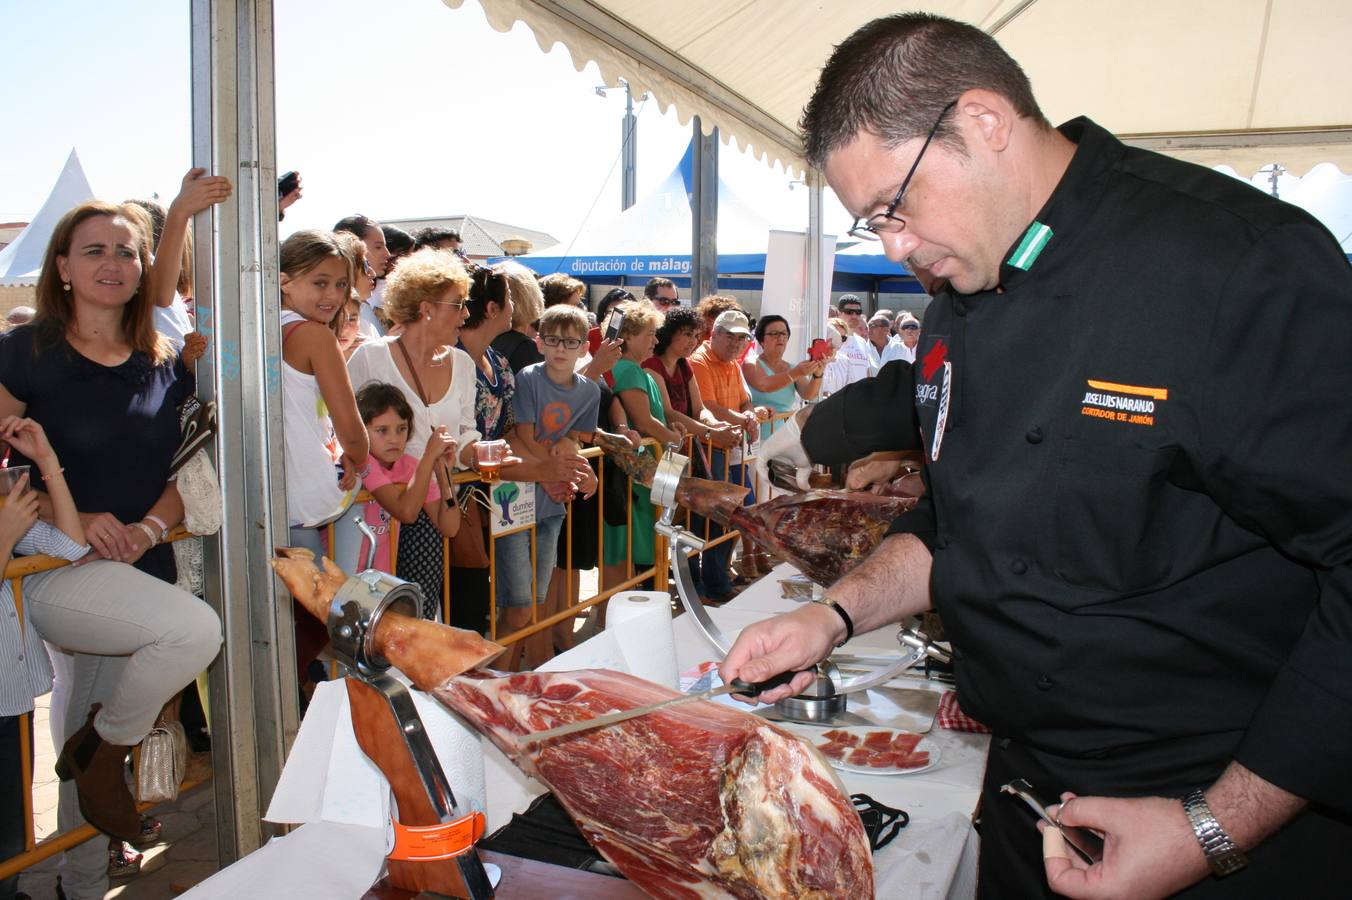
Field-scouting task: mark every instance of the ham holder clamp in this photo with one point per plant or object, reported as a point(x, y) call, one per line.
point(434, 837)
point(825, 702)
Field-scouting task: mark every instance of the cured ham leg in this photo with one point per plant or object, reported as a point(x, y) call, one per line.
point(426, 652)
point(824, 533)
point(697, 801)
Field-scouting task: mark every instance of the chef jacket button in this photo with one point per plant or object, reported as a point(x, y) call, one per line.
point(1044, 683)
point(1034, 435)
point(1018, 567)
point(959, 308)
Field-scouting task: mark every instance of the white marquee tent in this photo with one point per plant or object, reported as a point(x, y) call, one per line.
point(21, 260)
point(1241, 82)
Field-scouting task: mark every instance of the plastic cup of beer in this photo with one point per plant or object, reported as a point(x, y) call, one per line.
point(9, 477)
point(489, 456)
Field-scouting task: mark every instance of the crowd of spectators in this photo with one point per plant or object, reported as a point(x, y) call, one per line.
point(400, 358)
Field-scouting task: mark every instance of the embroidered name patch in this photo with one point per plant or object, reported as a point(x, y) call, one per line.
point(1128, 403)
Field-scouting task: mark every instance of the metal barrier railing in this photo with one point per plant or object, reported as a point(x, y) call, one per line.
point(35, 851)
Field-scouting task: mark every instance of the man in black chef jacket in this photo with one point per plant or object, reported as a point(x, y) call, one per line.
point(1138, 528)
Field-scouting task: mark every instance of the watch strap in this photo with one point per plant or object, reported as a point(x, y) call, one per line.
point(845, 617)
point(1222, 854)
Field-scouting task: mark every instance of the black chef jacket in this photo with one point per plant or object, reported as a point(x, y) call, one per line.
point(1140, 508)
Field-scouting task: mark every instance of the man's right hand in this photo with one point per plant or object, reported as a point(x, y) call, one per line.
point(796, 640)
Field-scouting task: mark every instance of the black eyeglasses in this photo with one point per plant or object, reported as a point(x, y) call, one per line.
point(554, 340)
point(885, 221)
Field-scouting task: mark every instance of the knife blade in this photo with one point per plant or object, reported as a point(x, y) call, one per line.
point(736, 686)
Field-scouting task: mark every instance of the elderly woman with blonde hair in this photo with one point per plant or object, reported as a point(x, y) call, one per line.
point(426, 295)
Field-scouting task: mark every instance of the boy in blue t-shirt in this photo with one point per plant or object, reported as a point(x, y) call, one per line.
point(555, 409)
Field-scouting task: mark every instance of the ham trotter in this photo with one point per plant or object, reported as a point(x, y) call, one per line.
point(696, 801)
point(426, 652)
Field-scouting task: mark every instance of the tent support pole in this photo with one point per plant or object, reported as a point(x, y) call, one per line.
point(818, 283)
point(704, 214)
point(253, 699)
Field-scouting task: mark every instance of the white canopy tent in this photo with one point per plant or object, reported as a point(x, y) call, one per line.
point(21, 260)
point(1241, 82)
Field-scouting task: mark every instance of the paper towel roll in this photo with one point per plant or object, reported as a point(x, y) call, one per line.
point(641, 623)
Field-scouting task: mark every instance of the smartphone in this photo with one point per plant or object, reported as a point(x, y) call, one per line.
point(614, 322)
point(819, 349)
point(287, 183)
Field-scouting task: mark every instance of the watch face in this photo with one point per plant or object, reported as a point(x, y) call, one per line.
point(1228, 862)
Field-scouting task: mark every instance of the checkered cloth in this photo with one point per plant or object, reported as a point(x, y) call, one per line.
point(952, 717)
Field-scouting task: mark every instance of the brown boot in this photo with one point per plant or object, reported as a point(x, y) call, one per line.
point(98, 769)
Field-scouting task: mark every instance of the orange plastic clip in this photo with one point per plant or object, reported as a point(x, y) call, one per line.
point(423, 843)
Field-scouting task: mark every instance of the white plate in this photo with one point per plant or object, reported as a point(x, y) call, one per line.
point(861, 732)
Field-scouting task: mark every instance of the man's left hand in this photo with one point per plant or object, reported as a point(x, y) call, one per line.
point(1149, 849)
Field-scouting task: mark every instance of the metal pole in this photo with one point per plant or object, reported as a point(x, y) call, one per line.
point(817, 299)
point(253, 681)
point(704, 214)
point(629, 145)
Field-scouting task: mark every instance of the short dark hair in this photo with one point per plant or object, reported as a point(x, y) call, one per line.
point(486, 285)
point(676, 320)
point(894, 76)
point(765, 322)
point(376, 396)
point(650, 289)
point(432, 235)
point(357, 225)
point(849, 298)
point(398, 241)
point(613, 296)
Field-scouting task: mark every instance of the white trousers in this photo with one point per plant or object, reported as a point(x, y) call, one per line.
point(134, 643)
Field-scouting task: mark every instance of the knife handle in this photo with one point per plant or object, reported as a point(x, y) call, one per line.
point(754, 689)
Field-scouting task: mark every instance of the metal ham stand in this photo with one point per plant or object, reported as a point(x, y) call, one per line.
point(826, 701)
point(433, 835)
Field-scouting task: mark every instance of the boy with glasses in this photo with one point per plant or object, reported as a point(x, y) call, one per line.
point(555, 407)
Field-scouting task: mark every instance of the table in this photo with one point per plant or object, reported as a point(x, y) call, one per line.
point(933, 858)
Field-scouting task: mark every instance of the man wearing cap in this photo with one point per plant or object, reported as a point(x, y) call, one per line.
point(724, 392)
point(1138, 522)
point(855, 347)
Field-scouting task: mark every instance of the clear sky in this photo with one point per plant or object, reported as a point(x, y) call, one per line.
point(397, 109)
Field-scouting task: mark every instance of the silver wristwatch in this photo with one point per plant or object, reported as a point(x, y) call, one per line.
point(1222, 854)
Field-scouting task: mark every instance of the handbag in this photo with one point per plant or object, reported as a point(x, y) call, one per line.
point(197, 426)
point(469, 549)
point(163, 763)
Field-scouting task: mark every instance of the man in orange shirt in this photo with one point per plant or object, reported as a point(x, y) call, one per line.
point(725, 395)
